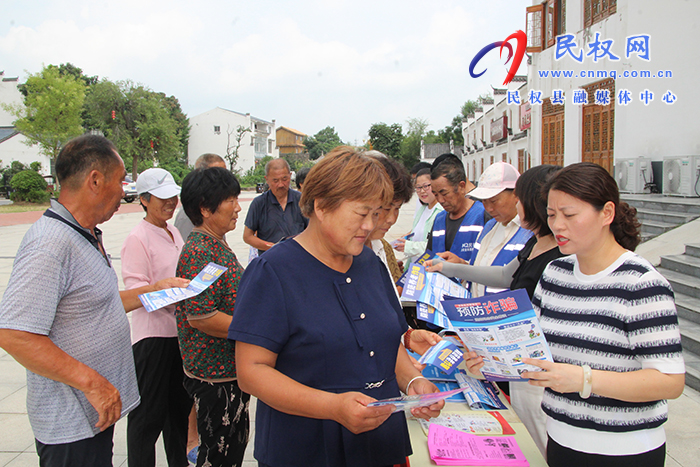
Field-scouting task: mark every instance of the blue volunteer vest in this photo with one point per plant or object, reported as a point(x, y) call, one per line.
point(507, 254)
point(466, 236)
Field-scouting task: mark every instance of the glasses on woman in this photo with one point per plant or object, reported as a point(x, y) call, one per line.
point(425, 187)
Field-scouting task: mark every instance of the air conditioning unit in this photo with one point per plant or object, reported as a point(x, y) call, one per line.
point(632, 175)
point(682, 176)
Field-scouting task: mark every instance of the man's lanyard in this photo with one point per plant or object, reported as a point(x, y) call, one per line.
point(93, 241)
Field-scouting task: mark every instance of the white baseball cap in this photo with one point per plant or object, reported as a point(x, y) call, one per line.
point(496, 178)
point(157, 182)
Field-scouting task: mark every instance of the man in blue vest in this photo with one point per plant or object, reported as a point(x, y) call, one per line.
point(458, 226)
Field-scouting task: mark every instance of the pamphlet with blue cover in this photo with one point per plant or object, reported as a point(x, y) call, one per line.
point(206, 277)
point(503, 329)
point(445, 355)
point(427, 289)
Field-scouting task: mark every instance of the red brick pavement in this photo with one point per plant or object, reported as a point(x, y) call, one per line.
point(16, 218)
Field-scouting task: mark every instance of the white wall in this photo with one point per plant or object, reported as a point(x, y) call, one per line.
point(203, 139)
point(13, 148)
point(656, 130)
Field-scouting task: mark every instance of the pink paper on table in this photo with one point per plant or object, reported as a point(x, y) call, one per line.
point(454, 447)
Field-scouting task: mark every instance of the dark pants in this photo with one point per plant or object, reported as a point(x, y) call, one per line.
point(560, 456)
point(164, 407)
point(93, 452)
point(222, 422)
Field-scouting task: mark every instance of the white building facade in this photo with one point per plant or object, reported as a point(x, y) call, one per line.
point(496, 132)
point(12, 147)
point(214, 131)
point(637, 53)
point(610, 82)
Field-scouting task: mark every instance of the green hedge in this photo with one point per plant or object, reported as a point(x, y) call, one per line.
point(28, 185)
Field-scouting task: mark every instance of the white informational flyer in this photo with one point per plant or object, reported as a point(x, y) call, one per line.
point(206, 277)
point(503, 329)
point(418, 400)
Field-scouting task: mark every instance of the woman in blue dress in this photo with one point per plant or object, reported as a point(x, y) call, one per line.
point(318, 331)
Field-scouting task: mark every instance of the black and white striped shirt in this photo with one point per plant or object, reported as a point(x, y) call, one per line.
point(620, 319)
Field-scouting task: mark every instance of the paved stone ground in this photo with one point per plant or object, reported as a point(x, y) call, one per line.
point(16, 439)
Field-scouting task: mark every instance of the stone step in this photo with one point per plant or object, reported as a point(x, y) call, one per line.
point(666, 204)
point(645, 237)
point(664, 216)
point(692, 250)
point(656, 227)
point(682, 283)
point(690, 335)
point(685, 264)
point(692, 369)
point(688, 308)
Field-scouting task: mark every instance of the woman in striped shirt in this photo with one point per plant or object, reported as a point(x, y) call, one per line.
point(611, 323)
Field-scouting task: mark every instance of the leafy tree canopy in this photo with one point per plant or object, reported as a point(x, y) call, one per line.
point(145, 126)
point(410, 146)
point(322, 142)
point(386, 138)
point(51, 112)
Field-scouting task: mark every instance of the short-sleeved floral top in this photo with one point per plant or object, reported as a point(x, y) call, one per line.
point(207, 357)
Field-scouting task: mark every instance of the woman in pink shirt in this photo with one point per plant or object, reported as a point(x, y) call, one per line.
point(150, 253)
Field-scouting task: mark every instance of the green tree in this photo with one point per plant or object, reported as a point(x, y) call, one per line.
point(410, 146)
point(255, 174)
point(322, 142)
point(453, 131)
point(141, 123)
point(386, 138)
point(50, 114)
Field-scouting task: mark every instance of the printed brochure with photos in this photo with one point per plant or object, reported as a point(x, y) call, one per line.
point(206, 277)
point(503, 329)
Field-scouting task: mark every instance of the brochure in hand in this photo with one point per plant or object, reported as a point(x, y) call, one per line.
point(206, 277)
point(503, 329)
point(417, 400)
point(421, 260)
point(428, 289)
point(444, 355)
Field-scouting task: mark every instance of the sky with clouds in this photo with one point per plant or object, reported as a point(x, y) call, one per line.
point(307, 64)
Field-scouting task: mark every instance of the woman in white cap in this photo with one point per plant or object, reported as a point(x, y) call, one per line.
point(150, 253)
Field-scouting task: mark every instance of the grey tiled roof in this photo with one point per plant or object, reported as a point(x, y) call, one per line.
point(7, 132)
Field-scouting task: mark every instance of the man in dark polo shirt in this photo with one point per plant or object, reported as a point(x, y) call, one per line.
point(275, 214)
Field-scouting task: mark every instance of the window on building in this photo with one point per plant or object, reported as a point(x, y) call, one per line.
point(598, 139)
point(504, 157)
point(474, 168)
point(492, 160)
point(597, 10)
point(521, 161)
point(544, 23)
point(270, 146)
point(260, 146)
point(555, 20)
point(217, 129)
point(535, 28)
point(482, 166)
point(552, 133)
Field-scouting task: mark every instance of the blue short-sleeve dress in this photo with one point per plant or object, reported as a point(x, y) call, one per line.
point(332, 331)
